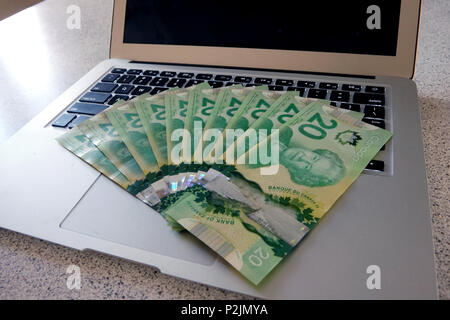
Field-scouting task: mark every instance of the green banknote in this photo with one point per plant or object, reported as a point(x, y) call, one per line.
point(78, 143)
point(284, 108)
point(200, 106)
point(176, 112)
point(277, 218)
point(200, 109)
point(128, 125)
point(227, 103)
point(319, 157)
point(255, 104)
point(279, 111)
point(152, 112)
point(103, 134)
point(224, 226)
point(105, 137)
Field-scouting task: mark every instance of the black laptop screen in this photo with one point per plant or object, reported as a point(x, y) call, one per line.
point(347, 26)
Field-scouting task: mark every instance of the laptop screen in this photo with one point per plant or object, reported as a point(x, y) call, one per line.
point(351, 26)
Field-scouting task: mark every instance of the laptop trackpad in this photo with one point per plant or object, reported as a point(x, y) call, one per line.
point(109, 213)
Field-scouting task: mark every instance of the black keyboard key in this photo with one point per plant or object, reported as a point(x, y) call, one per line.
point(282, 82)
point(216, 84)
point(351, 87)
point(95, 97)
point(118, 70)
point(301, 91)
point(151, 73)
point(134, 71)
point(126, 79)
point(142, 80)
point(77, 121)
point(328, 85)
point(124, 89)
point(276, 88)
point(263, 80)
point(369, 98)
point(204, 76)
point(191, 83)
point(375, 122)
point(306, 84)
point(185, 75)
point(158, 90)
point(159, 82)
point(243, 79)
point(351, 106)
point(340, 96)
point(373, 89)
point(222, 77)
point(317, 93)
point(374, 112)
point(87, 108)
point(63, 120)
point(176, 83)
point(140, 90)
point(110, 77)
point(334, 104)
point(116, 98)
point(168, 74)
point(376, 165)
point(104, 87)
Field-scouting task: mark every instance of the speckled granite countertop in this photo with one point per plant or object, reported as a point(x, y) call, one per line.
point(34, 269)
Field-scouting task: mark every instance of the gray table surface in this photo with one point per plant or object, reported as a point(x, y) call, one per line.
point(40, 58)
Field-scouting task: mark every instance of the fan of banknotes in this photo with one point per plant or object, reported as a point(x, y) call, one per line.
point(247, 171)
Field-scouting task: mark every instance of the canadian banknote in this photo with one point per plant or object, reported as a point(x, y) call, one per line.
point(176, 112)
point(320, 156)
point(176, 115)
point(227, 103)
point(152, 112)
point(200, 106)
point(278, 219)
point(284, 108)
point(254, 105)
point(79, 144)
point(279, 111)
point(223, 225)
point(102, 133)
point(253, 220)
point(128, 125)
point(313, 174)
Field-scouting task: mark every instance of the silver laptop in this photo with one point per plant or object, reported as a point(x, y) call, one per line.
point(360, 55)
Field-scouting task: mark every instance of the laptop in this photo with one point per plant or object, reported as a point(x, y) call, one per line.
point(360, 56)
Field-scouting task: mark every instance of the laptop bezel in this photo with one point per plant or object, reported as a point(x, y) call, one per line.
point(401, 65)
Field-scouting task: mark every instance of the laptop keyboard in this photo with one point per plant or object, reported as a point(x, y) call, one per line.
point(126, 84)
